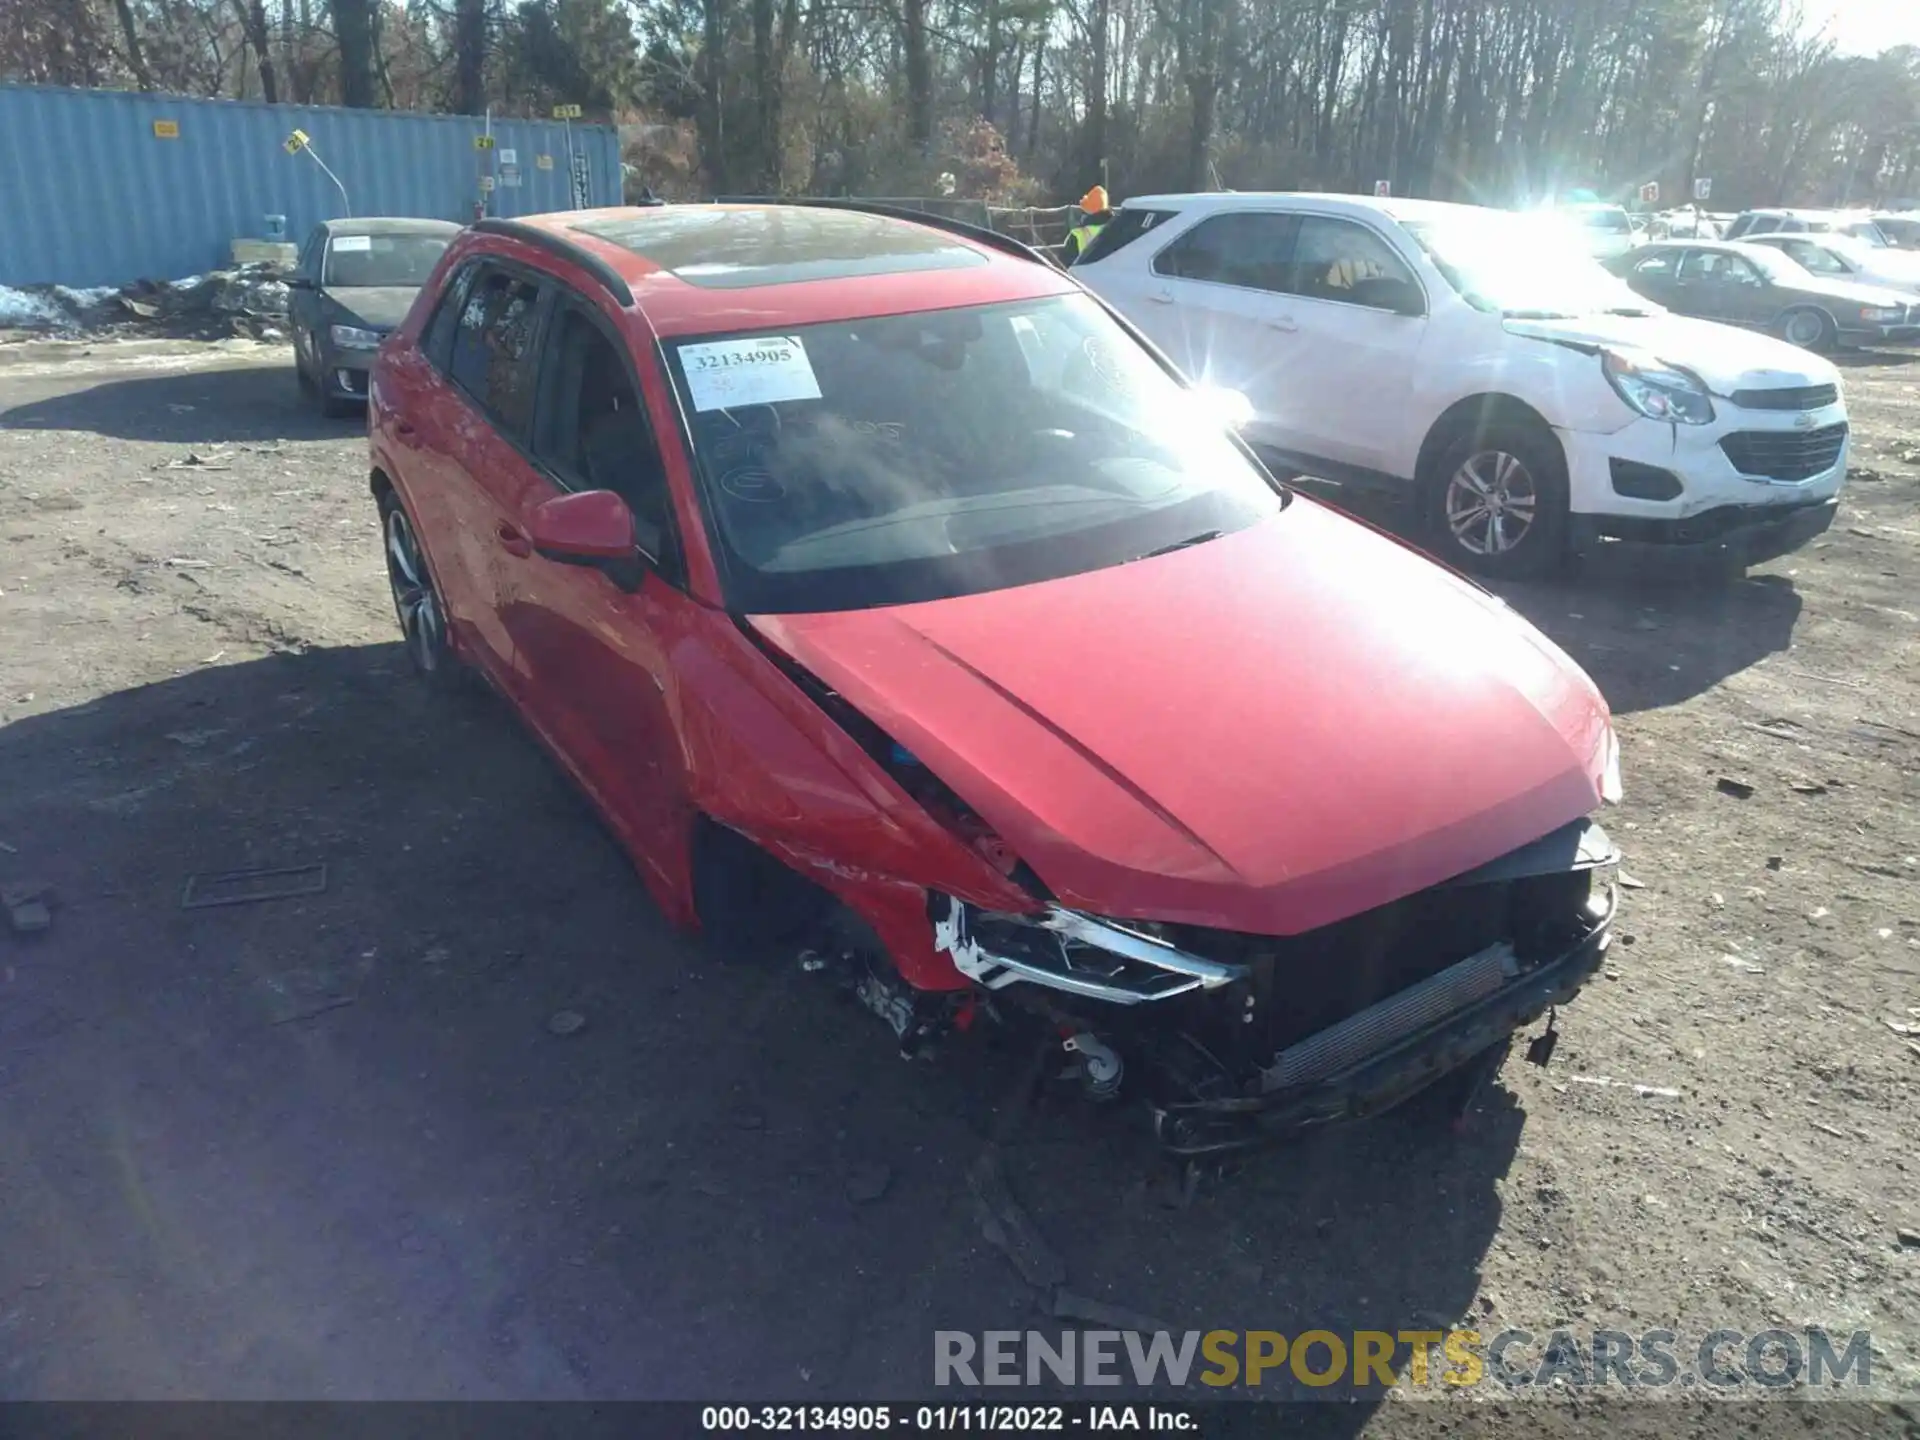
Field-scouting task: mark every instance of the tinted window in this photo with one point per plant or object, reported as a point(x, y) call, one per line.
point(1339, 260)
point(1125, 227)
point(310, 254)
point(592, 431)
point(446, 317)
point(492, 346)
point(1718, 266)
point(1249, 250)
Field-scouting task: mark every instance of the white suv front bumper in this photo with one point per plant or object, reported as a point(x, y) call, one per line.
point(1760, 481)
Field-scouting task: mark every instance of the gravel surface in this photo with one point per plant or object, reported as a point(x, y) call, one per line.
point(344, 1143)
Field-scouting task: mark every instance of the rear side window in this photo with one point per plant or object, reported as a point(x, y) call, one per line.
point(1250, 250)
point(446, 317)
point(1125, 227)
point(492, 357)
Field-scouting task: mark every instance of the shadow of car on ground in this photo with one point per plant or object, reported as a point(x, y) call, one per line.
point(332, 1144)
point(245, 403)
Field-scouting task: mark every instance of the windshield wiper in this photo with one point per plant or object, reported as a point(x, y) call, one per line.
point(1628, 310)
point(1537, 315)
point(1168, 549)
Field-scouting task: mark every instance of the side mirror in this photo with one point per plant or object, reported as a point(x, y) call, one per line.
point(299, 282)
point(589, 527)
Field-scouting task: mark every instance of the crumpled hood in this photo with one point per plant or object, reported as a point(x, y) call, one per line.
point(1264, 733)
point(1725, 357)
point(373, 307)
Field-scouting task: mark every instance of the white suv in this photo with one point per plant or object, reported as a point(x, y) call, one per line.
point(1476, 359)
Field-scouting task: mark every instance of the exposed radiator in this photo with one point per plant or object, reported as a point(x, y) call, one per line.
point(1346, 1043)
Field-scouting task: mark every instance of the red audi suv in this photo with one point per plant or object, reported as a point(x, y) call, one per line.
point(903, 610)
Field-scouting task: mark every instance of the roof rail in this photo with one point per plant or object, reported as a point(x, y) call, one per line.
point(979, 234)
point(559, 245)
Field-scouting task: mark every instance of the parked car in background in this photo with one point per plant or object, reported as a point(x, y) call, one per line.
point(1805, 222)
point(1902, 230)
point(1841, 257)
point(836, 555)
point(1757, 287)
point(1477, 363)
point(1606, 230)
point(1685, 223)
point(354, 283)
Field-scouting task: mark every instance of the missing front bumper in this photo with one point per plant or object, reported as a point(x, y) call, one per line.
point(1365, 1081)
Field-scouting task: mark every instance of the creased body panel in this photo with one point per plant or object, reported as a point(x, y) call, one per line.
point(1204, 737)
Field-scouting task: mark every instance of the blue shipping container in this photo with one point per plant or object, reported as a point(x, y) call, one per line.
point(102, 187)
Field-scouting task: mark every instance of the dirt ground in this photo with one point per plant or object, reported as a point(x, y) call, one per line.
point(328, 1146)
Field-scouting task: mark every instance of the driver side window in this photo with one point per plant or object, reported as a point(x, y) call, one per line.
point(591, 431)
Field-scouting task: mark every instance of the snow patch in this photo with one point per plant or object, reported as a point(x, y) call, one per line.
point(26, 308)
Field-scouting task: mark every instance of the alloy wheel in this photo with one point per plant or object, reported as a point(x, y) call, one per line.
point(1491, 501)
point(414, 600)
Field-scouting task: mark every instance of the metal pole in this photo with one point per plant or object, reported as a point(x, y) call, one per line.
point(345, 204)
point(573, 195)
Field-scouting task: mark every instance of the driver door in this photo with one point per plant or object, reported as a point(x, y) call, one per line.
point(1746, 295)
point(595, 642)
point(1700, 286)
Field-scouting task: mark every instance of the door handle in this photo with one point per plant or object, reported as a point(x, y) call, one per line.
point(1161, 297)
point(1282, 322)
point(403, 427)
point(511, 540)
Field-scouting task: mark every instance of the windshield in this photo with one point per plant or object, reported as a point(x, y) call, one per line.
point(1526, 266)
point(371, 260)
point(910, 457)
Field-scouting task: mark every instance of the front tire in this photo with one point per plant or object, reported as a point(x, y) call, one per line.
point(1809, 329)
point(1499, 501)
point(417, 603)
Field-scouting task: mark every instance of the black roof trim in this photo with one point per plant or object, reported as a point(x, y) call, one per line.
point(993, 239)
point(559, 245)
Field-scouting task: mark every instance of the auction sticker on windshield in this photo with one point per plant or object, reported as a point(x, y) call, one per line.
point(765, 371)
point(342, 244)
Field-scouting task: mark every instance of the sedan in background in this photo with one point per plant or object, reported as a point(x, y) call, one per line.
point(1759, 288)
point(1841, 257)
point(1750, 223)
point(355, 282)
point(1605, 230)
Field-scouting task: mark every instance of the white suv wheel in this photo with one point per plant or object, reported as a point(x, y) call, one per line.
point(1491, 501)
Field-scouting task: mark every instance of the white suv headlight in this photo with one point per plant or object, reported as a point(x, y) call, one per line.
point(347, 337)
point(1653, 388)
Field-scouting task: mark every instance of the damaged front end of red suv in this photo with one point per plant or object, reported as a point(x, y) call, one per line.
point(1279, 864)
point(1241, 1037)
